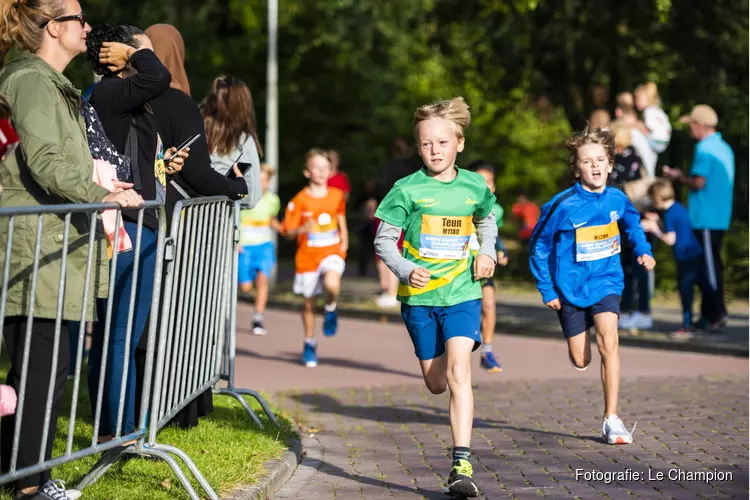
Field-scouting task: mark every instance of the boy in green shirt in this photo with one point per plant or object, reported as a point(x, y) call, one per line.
point(440, 291)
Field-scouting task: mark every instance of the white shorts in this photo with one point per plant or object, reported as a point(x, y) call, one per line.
point(311, 284)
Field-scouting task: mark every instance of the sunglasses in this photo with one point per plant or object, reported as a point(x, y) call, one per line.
point(78, 17)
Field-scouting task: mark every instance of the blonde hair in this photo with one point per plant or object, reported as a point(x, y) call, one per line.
point(652, 93)
point(266, 168)
point(621, 133)
point(455, 110)
point(316, 152)
point(20, 22)
point(600, 136)
point(661, 190)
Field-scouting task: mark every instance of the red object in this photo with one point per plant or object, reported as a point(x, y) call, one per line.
point(341, 181)
point(8, 138)
point(528, 212)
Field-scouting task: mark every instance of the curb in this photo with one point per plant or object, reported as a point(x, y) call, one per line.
point(279, 472)
point(543, 332)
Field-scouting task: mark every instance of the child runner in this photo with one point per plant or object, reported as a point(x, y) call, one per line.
point(257, 252)
point(691, 267)
point(574, 259)
point(489, 307)
point(316, 217)
point(440, 289)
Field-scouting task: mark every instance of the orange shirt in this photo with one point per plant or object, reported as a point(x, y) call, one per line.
point(324, 239)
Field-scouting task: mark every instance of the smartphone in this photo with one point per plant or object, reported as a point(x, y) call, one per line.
point(188, 142)
point(243, 167)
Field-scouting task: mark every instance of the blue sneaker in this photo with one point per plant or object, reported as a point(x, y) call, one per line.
point(489, 363)
point(330, 323)
point(309, 357)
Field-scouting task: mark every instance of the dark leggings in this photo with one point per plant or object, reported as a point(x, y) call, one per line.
point(37, 383)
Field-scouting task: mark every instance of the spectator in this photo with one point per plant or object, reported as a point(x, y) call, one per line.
point(54, 167)
point(625, 113)
point(232, 132)
point(526, 213)
point(338, 179)
point(628, 169)
point(600, 118)
point(132, 77)
point(711, 185)
point(655, 125)
point(180, 117)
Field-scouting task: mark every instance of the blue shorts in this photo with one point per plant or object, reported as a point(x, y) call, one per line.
point(576, 320)
point(256, 259)
point(430, 327)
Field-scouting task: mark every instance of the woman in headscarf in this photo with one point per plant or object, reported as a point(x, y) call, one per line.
point(180, 118)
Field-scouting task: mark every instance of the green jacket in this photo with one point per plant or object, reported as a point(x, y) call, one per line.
point(52, 165)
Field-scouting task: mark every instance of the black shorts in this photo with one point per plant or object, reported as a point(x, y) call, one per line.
point(576, 320)
point(488, 282)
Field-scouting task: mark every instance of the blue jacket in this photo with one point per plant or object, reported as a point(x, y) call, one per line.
point(574, 249)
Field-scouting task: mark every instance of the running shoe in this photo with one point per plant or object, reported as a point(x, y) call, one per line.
point(578, 368)
point(614, 431)
point(489, 363)
point(625, 322)
point(330, 323)
point(51, 490)
point(704, 324)
point(460, 483)
point(642, 321)
point(258, 328)
point(682, 334)
point(309, 355)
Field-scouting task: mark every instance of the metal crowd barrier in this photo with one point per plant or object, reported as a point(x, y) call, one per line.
point(197, 319)
point(86, 216)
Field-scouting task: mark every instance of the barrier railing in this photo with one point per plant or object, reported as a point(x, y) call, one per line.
point(88, 238)
point(197, 318)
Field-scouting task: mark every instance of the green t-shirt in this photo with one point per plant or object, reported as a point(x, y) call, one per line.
point(437, 221)
point(498, 211)
point(255, 224)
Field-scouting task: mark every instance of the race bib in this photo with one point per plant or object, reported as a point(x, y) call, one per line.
point(597, 242)
point(325, 232)
point(445, 237)
point(256, 229)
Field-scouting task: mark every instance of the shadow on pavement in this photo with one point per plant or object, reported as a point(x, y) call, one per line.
point(293, 358)
point(329, 469)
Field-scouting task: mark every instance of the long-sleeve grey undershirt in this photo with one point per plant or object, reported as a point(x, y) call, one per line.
point(386, 245)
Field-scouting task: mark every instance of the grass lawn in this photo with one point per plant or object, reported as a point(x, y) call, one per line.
point(226, 447)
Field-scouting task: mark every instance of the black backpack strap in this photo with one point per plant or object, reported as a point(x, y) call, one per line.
point(131, 150)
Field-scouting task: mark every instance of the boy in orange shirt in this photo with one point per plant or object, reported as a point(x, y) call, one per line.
point(316, 217)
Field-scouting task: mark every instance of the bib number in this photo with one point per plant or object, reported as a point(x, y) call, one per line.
point(323, 236)
point(445, 237)
point(597, 242)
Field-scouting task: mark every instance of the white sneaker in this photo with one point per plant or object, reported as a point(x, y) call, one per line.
point(626, 321)
point(614, 431)
point(642, 321)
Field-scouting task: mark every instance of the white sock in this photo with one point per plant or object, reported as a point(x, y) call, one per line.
point(311, 342)
point(486, 347)
point(258, 317)
point(330, 307)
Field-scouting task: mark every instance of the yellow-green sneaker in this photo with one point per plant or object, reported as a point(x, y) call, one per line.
point(460, 483)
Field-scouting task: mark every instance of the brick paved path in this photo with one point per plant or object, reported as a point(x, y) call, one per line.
point(530, 438)
point(379, 434)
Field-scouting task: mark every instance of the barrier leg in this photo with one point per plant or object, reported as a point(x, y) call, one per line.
point(101, 467)
point(154, 451)
point(261, 401)
point(193, 468)
point(250, 413)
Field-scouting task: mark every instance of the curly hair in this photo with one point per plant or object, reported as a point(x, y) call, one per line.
point(106, 33)
point(20, 22)
point(601, 136)
point(456, 110)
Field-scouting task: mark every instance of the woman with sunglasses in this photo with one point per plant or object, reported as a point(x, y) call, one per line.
point(54, 166)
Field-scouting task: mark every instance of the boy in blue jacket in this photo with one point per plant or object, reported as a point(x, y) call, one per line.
point(574, 258)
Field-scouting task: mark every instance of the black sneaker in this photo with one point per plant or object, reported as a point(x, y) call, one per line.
point(51, 490)
point(258, 327)
point(460, 483)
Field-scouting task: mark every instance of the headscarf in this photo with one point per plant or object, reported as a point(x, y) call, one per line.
point(170, 49)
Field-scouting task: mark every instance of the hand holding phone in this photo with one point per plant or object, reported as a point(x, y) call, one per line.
point(242, 168)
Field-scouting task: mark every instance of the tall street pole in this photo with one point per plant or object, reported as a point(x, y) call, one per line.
point(272, 109)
